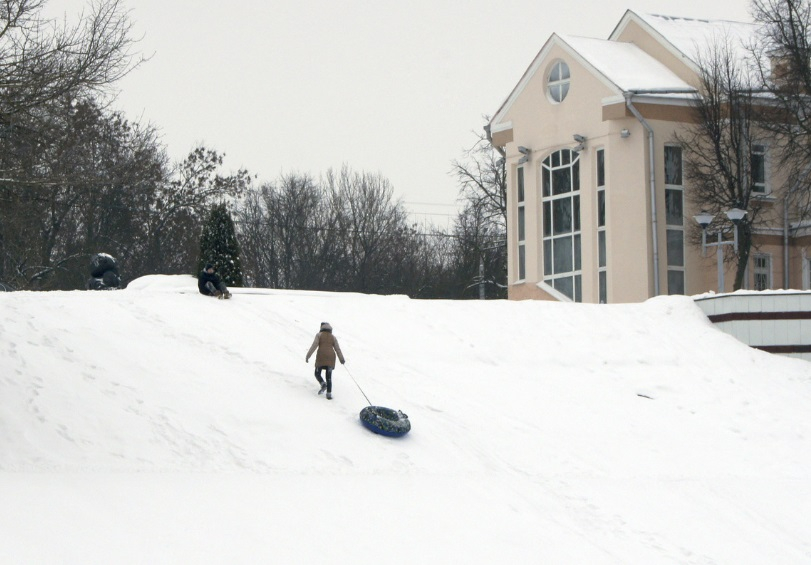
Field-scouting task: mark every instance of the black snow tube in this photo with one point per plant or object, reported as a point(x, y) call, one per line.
point(385, 421)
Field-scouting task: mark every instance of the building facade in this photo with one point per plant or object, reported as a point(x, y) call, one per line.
point(598, 209)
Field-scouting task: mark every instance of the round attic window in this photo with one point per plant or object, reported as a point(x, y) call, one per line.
point(557, 85)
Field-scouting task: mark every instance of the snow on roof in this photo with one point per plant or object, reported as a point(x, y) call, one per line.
point(629, 68)
point(626, 65)
point(695, 38)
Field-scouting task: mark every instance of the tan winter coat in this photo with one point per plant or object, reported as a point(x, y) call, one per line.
point(327, 345)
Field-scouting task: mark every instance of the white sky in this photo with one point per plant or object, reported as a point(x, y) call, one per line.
point(383, 86)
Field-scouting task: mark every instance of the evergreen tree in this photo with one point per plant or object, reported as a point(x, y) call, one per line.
point(219, 246)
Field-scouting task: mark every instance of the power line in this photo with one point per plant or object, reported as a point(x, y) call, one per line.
point(432, 214)
point(431, 204)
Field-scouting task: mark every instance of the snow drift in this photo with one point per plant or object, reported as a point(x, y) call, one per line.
point(155, 425)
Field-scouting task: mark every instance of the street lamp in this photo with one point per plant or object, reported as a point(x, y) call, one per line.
point(704, 219)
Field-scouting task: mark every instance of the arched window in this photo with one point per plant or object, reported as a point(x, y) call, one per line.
point(561, 223)
point(557, 85)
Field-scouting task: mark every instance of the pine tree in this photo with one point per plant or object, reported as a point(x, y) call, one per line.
point(219, 246)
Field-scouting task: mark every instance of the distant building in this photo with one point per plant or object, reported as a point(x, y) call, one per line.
point(575, 135)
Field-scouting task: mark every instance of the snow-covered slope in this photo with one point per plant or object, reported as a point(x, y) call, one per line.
point(154, 425)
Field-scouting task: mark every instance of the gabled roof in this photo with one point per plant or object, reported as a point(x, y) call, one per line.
point(690, 38)
point(625, 65)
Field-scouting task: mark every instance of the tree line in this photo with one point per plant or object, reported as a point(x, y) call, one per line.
point(345, 231)
point(77, 178)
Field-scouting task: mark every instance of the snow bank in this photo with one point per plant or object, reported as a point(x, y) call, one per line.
point(186, 429)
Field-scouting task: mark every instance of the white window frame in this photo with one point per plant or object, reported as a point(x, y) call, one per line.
point(561, 85)
point(675, 228)
point(602, 270)
point(521, 256)
point(576, 234)
point(767, 271)
point(766, 189)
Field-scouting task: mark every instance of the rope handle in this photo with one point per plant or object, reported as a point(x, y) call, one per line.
point(348, 372)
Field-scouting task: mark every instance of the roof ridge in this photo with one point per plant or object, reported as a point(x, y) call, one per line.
point(702, 20)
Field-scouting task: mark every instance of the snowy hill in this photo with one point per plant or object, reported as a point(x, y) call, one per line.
point(154, 425)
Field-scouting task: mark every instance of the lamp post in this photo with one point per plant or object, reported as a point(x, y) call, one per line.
point(704, 219)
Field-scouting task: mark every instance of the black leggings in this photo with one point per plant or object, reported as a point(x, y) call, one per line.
point(212, 289)
point(329, 376)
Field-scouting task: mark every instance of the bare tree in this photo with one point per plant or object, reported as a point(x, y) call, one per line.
point(41, 60)
point(255, 233)
point(76, 193)
point(177, 210)
point(482, 179)
point(481, 228)
point(782, 55)
point(717, 148)
point(46, 69)
point(288, 235)
point(345, 232)
point(372, 225)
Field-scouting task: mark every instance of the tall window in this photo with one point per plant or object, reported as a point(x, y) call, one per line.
point(557, 86)
point(759, 169)
point(763, 271)
point(522, 254)
point(561, 223)
point(602, 260)
point(674, 219)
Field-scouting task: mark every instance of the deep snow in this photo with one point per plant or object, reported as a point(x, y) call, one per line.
point(155, 425)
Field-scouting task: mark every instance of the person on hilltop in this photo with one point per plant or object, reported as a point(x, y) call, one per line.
point(210, 284)
point(327, 346)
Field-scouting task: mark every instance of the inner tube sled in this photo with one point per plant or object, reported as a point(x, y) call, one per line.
point(385, 421)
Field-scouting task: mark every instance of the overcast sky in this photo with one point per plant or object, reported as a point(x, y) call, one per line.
point(382, 86)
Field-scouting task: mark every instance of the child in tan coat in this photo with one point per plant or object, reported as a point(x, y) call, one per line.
point(327, 346)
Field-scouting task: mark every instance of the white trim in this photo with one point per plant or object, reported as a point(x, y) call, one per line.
point(767, 188)
point(559, 84)
point(680, 227)
point(498, 128)
point(672, 99)
point(765, 230)
point(555, 293)
point(554, 41)
point(770, 274)
point(652, 31)
point(801, 229)
point(601, 189)
point(520, 206)
point(611, 100)
point(575, 233)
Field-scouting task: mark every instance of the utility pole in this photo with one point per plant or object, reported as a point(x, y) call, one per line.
point(481, 277)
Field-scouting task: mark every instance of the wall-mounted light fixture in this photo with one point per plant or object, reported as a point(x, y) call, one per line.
point(525, 152)
point(704, 219)
point(625, 133)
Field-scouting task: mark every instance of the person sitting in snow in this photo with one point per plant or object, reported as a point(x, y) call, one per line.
point(210, 284)
point(327, 345)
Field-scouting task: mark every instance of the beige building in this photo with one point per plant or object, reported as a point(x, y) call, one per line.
point(598, 208)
